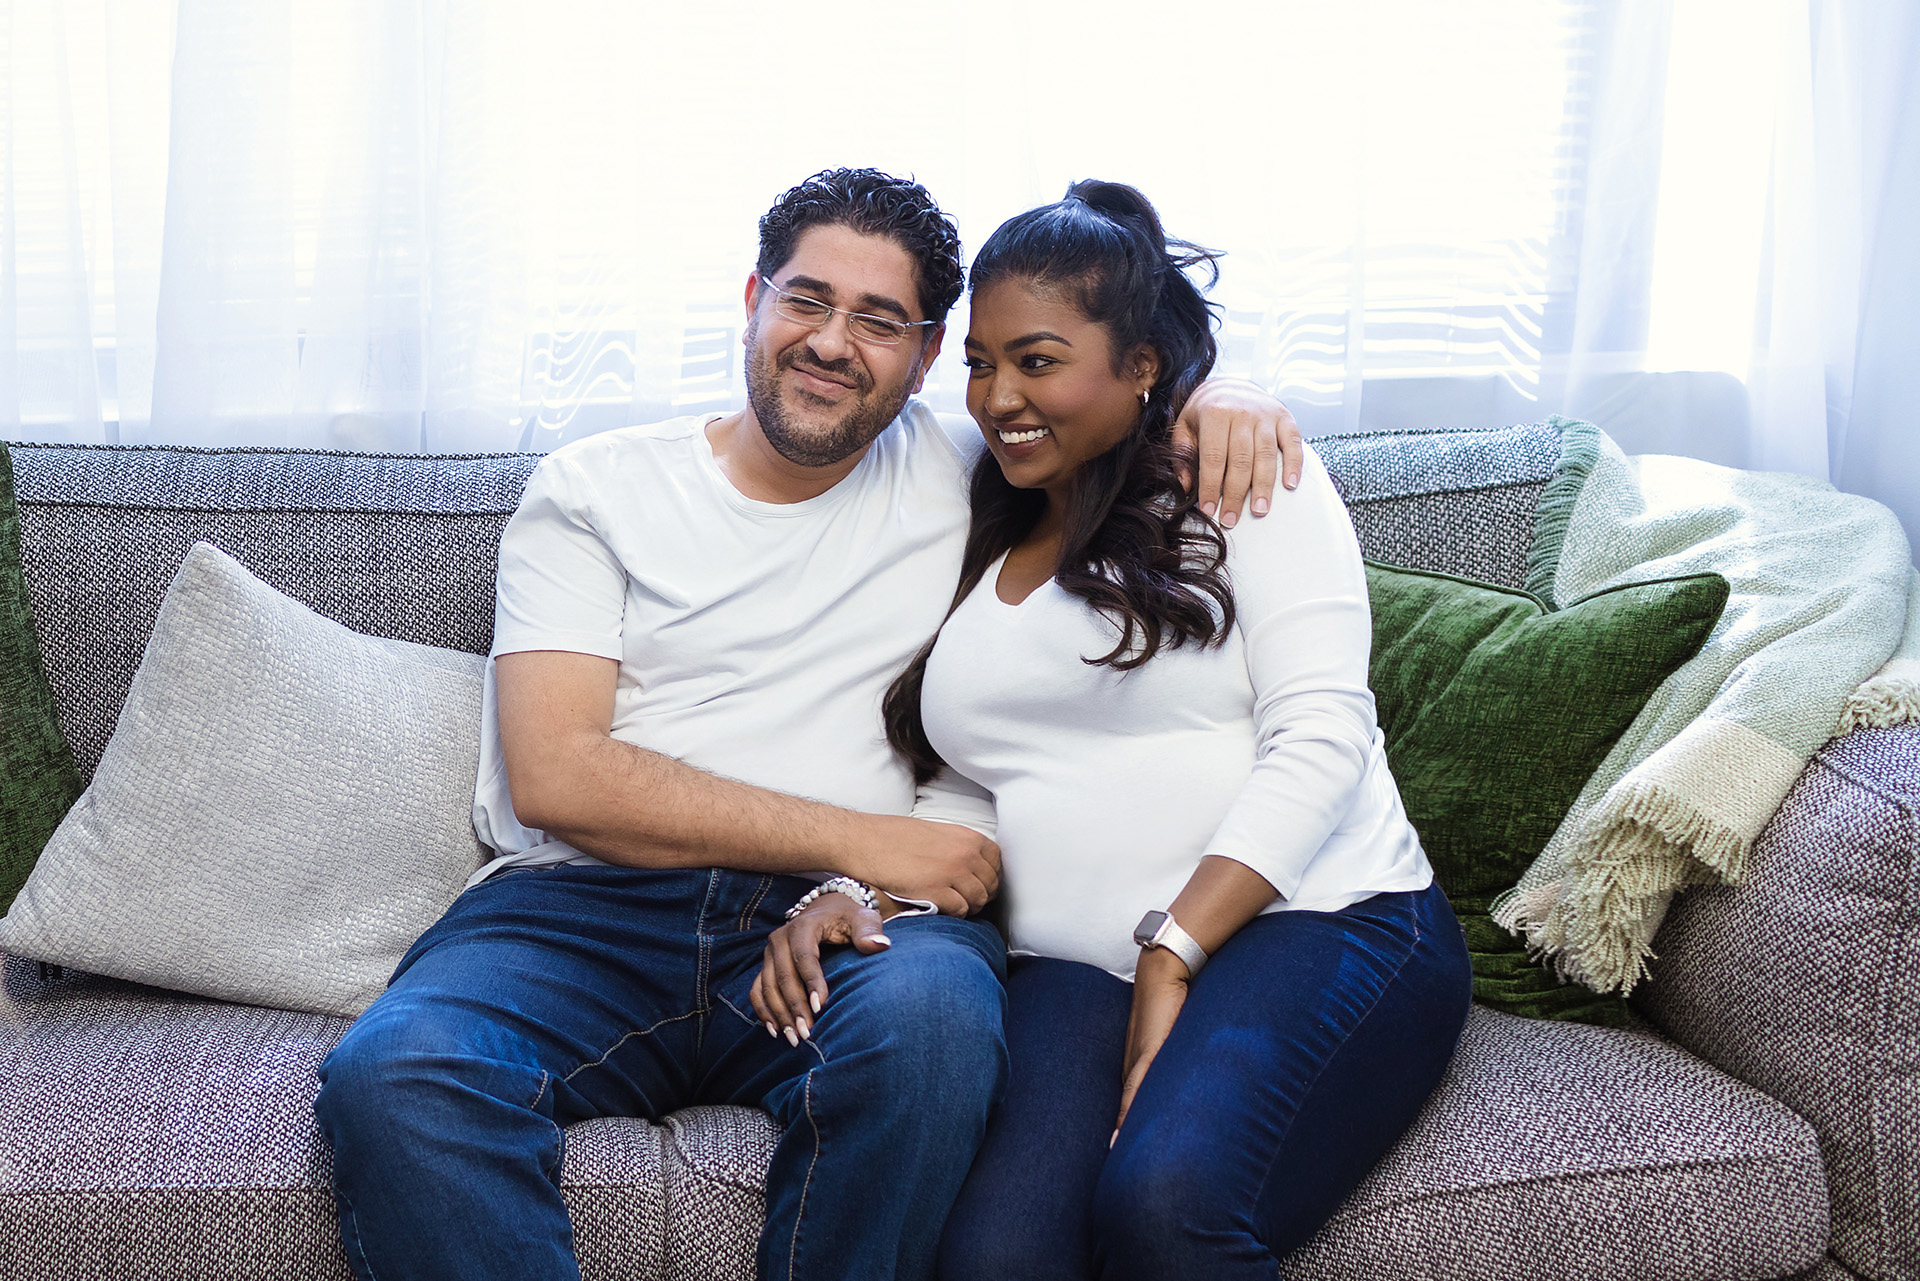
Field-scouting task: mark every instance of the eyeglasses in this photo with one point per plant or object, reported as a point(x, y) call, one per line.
point(883, 331)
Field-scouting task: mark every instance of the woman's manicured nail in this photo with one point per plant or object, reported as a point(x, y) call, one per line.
point(1209, 508)
point(773, 1031)
point(805, 1031)
point(813, 999)
point(1227, 521)
point(1115, 1139)
point(1293, 480)
point(883, 940)
point(792, 1038)
point(1259, 506)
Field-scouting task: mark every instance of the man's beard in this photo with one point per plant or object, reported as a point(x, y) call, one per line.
point(859, 423)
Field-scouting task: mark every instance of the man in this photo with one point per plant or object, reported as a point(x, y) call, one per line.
point(696, 621)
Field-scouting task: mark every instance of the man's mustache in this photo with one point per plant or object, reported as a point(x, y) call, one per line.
point(844, 370)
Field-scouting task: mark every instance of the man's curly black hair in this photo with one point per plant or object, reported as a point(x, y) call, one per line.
point(875, 204)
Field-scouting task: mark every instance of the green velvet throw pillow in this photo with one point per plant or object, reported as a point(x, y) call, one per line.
point(1496, 710)
point(38, 779)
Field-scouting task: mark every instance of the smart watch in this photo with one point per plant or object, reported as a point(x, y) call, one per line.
point(1159, 929)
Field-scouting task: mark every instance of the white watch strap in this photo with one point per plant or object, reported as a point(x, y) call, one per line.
point(1181, 944)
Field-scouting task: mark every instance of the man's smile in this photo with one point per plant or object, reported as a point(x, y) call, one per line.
point(822, 382)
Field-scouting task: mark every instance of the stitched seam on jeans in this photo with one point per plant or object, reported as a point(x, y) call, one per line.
point(559, 1149)
point(359, 1246)
point(793, 1247)
point(810, 1043)
point(1393, 978)
point(702, 998)
point(746, 916)
point(645, 1031)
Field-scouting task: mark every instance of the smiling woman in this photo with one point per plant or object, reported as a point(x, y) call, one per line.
point(1172, 727)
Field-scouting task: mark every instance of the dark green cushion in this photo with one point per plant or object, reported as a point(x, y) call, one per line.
point(38, 779)
point(1496, 711)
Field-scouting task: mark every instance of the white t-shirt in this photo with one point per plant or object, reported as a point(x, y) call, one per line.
point(755, 640)
point(1111, 786)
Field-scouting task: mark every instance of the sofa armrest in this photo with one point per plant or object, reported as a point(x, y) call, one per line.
point(1805, 983)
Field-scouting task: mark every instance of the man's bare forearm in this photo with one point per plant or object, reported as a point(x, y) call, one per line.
point(569, 777)
point(628, 805)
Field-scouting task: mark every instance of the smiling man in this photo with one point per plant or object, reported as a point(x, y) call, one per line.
point(696, 622)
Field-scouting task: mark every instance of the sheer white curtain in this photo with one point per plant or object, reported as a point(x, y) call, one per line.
point(462, 225)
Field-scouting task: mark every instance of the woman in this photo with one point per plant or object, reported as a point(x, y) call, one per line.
point(1208, 871)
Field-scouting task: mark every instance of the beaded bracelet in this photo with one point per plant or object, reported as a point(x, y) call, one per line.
point(846, 885)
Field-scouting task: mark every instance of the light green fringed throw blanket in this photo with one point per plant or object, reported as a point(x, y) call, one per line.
point(1811, 644)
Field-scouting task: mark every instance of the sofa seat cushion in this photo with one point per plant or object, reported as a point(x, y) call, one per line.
point(1558, 1150)
point(151, 1134)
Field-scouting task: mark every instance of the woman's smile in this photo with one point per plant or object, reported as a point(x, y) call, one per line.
point(1017, 444)
point(1044, 383)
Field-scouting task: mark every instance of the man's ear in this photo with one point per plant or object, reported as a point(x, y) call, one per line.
point(1143, 367)
point(752, 292)
point(926, 358)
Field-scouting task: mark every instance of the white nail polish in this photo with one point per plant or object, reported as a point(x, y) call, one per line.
point(773, 1031)
point(792, 1039)
point(806, 1033)
point(813, 999)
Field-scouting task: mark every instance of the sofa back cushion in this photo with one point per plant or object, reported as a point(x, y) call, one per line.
point(405, 546)
point(284, 807)
point(395, 547)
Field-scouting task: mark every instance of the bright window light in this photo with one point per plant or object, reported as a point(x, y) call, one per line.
point(1715, 166)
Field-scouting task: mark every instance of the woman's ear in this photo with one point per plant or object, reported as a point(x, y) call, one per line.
point(1143, 367)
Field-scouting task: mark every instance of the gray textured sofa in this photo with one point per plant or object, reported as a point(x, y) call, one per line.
point(1763, 1122)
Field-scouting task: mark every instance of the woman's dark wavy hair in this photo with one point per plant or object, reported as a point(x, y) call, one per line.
point(1133, 544)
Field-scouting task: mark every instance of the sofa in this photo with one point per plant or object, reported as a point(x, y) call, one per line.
point(1759, 1116)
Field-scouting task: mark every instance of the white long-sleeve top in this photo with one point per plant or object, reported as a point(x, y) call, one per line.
point(1109, 787)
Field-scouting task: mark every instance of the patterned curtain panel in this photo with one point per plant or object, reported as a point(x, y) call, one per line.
point(469, 225)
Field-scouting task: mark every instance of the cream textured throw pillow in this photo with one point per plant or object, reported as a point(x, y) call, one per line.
point(285, 805)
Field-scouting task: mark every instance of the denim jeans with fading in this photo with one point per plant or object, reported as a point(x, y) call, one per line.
point(1305, 1048)
point(550, 996)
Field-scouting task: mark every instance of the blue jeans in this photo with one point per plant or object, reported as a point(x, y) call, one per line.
point(1305, 1048)
point(549, 996)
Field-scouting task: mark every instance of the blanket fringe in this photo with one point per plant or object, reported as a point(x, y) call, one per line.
point(1890, 697)
point(1579, 454)
point(1644, 843)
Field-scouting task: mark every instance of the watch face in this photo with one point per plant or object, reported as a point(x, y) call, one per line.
point(1149, 926)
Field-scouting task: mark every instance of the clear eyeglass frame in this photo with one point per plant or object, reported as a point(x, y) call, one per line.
point(882, 331)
